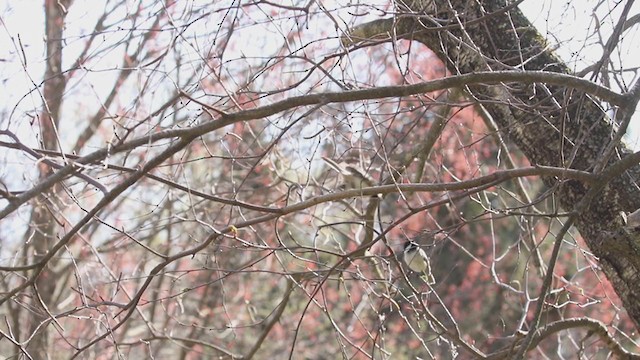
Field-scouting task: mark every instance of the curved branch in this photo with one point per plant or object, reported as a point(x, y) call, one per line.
point(594, 327)
point(273, 320)
point(190, 341)
point(36, 154)
point(40, 266)
point(524, 77)
point(495, 178)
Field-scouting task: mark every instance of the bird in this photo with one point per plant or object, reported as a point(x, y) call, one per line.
point(415, 258)
point(352, 176)
point(632, 220)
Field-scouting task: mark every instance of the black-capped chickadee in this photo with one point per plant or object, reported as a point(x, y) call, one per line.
point(415, 258)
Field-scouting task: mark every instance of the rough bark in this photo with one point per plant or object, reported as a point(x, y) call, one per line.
point(552, 125)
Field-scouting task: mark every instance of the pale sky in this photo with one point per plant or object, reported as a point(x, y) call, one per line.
point(573, 24)
point(569, 23)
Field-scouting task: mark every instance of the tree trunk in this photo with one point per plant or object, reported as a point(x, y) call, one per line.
point(42, 226)
point(552, 125)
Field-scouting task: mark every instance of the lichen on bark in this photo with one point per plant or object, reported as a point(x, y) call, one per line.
point(552, 125)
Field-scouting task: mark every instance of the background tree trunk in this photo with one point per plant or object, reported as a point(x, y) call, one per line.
point(42, 232)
